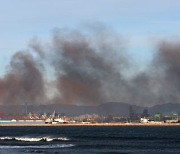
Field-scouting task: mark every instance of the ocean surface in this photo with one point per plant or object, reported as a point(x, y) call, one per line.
point(90, 139)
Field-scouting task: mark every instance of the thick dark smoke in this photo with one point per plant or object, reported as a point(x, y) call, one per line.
point(85, 68)
point(160, 83)
point(24, 82)
point(167, 62)
point(88, 67)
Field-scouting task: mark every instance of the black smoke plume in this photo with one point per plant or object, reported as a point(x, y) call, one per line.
point(160, 83)
point(167, 62)
point(23, 82)
point(88, 67)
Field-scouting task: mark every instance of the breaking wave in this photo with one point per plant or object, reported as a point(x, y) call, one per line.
point(34, 139)
point(39, 146)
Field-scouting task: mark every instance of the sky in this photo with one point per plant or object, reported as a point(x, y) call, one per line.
point(141, 22)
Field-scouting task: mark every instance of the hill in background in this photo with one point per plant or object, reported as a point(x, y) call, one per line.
point(111, 108)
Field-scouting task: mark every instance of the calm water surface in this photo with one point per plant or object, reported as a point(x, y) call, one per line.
point(90, 139)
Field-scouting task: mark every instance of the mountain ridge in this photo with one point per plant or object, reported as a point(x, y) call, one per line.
point(109, 108)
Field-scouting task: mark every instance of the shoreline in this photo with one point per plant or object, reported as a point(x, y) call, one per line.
point(93, 124)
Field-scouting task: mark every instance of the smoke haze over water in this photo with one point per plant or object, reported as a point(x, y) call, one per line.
point(87, 67)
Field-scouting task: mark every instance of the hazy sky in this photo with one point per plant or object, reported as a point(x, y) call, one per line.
point(141, 22)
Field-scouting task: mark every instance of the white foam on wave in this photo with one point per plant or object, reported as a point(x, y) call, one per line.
point(6, 138)
point(34, 139)
point(49, 139)
point(53, 139)
point(37, 147)
point(28, 139)
point(63, 138)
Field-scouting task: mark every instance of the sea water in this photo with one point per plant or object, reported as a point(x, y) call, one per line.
point(90, 139)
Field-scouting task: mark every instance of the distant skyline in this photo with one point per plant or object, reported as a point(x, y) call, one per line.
point(140, 22)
